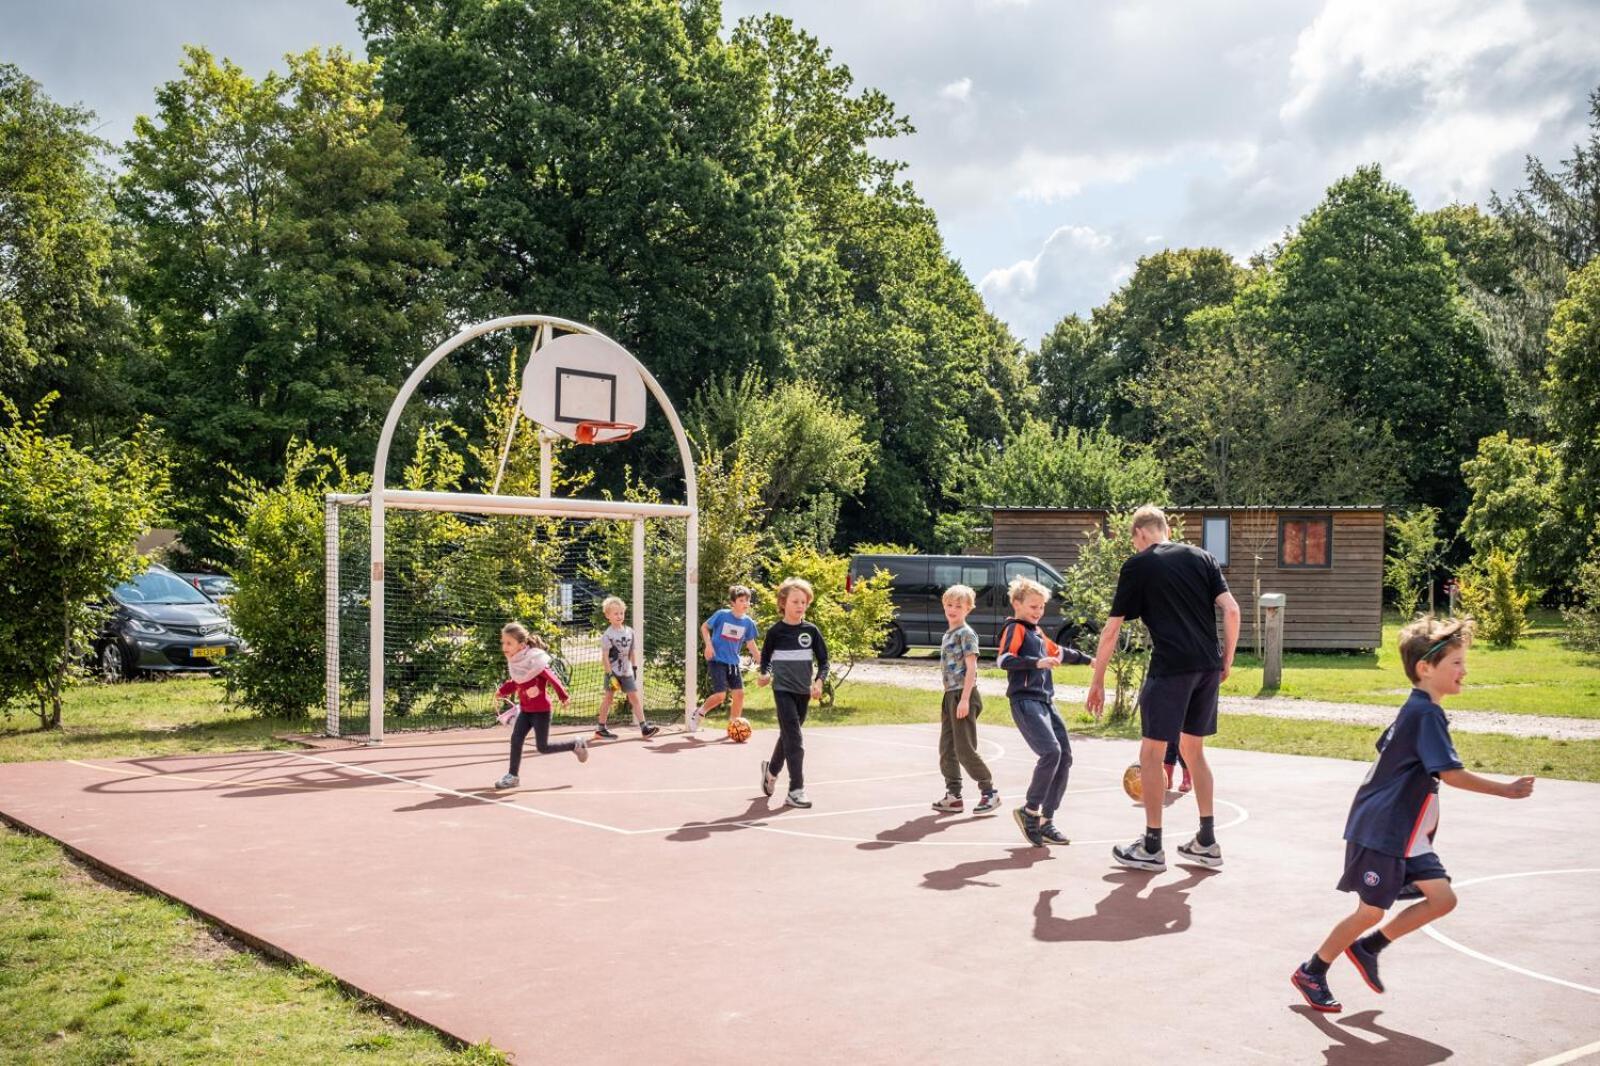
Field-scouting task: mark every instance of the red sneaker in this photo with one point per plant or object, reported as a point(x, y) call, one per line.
point(1188, 782)
point(1168, 767)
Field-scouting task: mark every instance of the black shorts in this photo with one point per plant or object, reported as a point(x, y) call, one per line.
point(725, 677)
point(623, 682)
point(1377, 877)
point(1179, 703)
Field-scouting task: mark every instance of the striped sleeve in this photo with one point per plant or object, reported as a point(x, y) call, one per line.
point(1012, 639)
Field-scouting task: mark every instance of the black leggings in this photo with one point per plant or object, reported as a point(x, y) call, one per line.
point(791, 747)
point(539, 722)
point(1172, 755)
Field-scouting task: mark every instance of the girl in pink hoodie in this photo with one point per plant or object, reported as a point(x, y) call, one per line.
point(531, 675)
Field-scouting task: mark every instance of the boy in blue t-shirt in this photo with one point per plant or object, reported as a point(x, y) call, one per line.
point(724, 633)
point(1389, 834)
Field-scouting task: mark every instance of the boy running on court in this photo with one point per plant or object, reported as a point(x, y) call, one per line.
point(724, 634)
point(792, 646)
point(620, 654)
point(1176, 589)
point(531, 676)
point(1028, 656)
point(958, 717)
point(1389, 833)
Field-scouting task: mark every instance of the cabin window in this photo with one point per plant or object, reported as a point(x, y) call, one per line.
point(1305, 542)
point(1214, 538)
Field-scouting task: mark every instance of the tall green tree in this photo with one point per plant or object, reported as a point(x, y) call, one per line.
point(1573, 384)
point(1091, 374)
point(1560, 206)
point(1519, 507)
point(1368, 304)
point(291, 246)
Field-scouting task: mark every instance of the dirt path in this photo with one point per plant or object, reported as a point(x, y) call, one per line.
point(924, 676)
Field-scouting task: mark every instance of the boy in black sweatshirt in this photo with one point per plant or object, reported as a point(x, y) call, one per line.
point(792, 646)
point(1028, 656)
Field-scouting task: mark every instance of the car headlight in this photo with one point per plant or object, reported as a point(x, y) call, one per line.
point(139, 625)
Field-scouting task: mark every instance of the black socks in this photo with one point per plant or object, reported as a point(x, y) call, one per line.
point(1206, 837)
point(1375, 941)
point(1152, 840)
point(1315, 966)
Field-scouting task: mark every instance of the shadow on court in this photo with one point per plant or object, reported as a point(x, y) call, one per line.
point(1122, 914)
point(910, 832)
point(477, 797)
point(696, 831)
point(1392, 1048)
point(972, 874)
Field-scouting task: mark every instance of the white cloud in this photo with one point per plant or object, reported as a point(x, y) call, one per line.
point(1073, 271)
point(957, 90)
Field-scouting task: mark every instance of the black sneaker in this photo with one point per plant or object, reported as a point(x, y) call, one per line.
point(601, 731)
point(1030, 826)
point(1314, 988)
point(1366, 964)
point(1052, 835)
point(648, 729)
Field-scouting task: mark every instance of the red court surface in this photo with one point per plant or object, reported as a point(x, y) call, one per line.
point(649, 907)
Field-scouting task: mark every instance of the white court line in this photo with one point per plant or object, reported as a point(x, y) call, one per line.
point(1570, 1056)
point(1490, 959)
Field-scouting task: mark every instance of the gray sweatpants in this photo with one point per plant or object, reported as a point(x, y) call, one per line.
point(958, 744)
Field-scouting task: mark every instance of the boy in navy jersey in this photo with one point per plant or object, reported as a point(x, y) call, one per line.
point(1389, 834)
point(794, 661)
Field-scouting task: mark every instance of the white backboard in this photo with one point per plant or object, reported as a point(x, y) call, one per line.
point(579, 377)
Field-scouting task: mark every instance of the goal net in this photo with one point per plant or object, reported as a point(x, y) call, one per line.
point(455, 578)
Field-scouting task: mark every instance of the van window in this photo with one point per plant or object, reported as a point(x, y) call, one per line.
point(910, 573)
point(1018, 568)
point(947, 574)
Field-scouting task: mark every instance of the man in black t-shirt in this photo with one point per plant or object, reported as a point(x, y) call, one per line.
point(1175, 589)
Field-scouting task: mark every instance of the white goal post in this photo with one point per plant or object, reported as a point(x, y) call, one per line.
point(381, 498)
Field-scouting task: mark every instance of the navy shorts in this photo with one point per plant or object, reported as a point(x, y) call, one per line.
point(725, 677)
point(1377, 877)
point(1179, 703)
point(624, 682)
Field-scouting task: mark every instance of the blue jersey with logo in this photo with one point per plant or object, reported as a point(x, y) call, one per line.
point(1396, 809)
point(729, 633)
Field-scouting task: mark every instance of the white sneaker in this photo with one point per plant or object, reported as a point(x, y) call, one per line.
point(508, 781)
point(582, 749)
point(1195, 853)
point(1135, 857)
point(769, 780)
point(797, 798)
point(694, 720)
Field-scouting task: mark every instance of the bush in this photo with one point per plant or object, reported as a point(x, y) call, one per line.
point(1408, 567)
point(278, 607)
point(1583, 617)
point(1492, 594)
point(854, 622)
point(68, 521)
point(1088, 589)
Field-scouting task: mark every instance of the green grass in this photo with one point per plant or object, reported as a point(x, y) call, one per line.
point(92, 973)
point(141, 718)
point(1539, 676)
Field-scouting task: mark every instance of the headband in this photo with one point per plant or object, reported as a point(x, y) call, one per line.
point(1433, 650)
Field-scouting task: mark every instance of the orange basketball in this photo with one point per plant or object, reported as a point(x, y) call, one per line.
point(1132, 784)
point(739, 730)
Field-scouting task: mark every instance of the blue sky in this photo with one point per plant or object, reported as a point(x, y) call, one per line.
point(1058, 140)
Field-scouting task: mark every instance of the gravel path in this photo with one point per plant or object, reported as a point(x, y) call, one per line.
point(925, 676)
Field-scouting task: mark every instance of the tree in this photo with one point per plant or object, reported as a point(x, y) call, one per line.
point(1366, 303)
point(1087, 591)
point(1414, 553)
point(61, 330)
point(1496, 598)
point(1039, 466)
point(1561, 207)
point(1583, 616)
point(809, 449)
point(1572, 382)
point(1101, 364)
point(1518, 505)
point(290, 243)
point(69, 518)
point(1237, 424)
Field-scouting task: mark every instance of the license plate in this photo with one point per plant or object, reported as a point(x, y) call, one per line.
point(209, 652)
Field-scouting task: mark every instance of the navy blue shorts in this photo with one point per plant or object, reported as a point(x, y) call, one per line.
point(725, 677)
point(1179, 703)
point(623, 682)
point(1377, 877)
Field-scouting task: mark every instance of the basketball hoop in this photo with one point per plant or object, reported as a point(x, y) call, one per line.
point(589, 432)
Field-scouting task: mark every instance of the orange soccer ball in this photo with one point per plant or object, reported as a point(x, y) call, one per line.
point(739, 730)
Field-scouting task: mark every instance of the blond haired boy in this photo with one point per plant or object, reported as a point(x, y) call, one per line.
point(619, 652)
point(958, 716)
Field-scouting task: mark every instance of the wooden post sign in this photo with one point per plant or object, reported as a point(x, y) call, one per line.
point(1272, 604)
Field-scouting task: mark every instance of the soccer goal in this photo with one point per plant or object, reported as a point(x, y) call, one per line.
point(419, 583)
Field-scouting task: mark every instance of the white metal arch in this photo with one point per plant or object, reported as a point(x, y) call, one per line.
point(380, 495)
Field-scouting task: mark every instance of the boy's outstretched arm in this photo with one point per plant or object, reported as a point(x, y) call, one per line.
point(1521, 788)
point(1095, 702)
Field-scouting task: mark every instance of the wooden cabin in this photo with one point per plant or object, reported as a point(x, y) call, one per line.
point(1328, 561)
